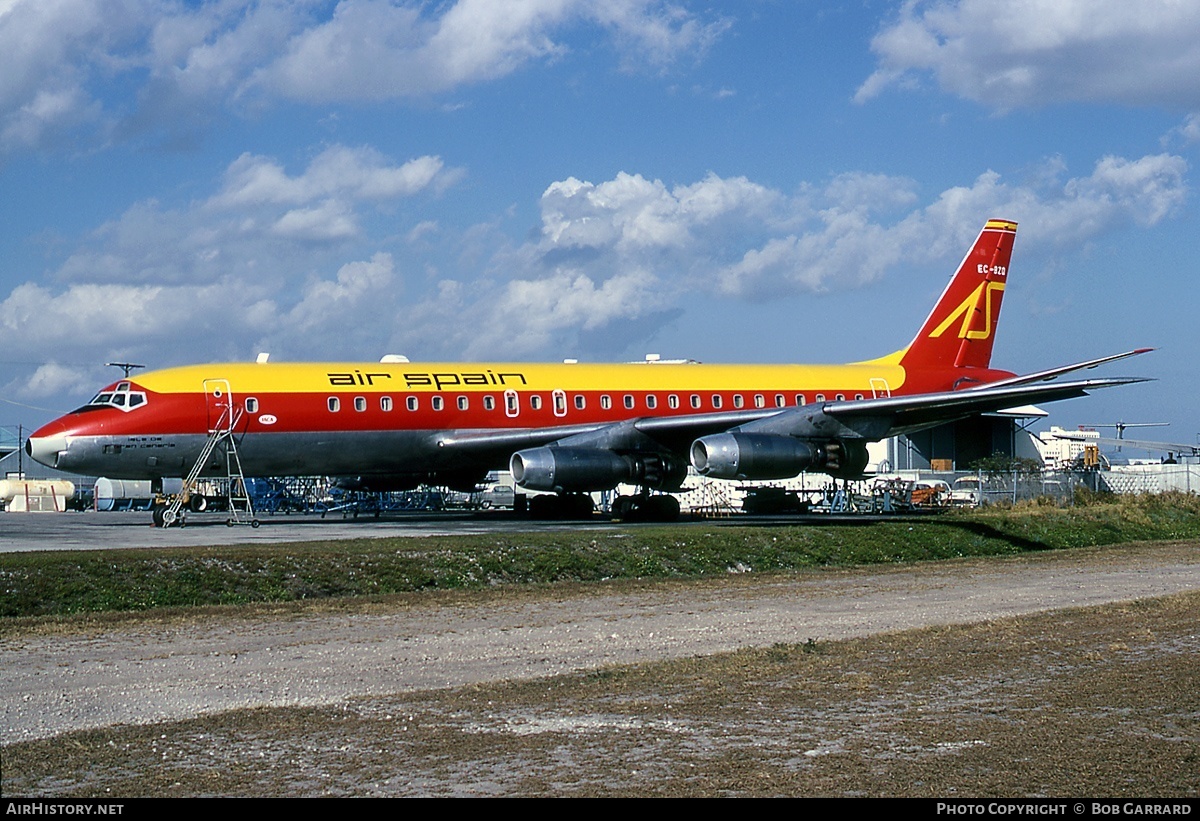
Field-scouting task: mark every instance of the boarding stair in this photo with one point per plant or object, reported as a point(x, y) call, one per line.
point(240, 506)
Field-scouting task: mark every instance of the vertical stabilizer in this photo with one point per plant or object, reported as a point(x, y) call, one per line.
point(960, 330)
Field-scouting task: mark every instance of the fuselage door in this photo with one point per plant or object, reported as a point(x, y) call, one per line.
point(879, 387)
point(218, 403)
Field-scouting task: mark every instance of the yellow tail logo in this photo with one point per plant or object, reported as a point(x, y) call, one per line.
point(964, 310)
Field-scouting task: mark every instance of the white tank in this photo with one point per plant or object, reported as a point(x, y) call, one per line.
point(113, 494)
point(36, 495)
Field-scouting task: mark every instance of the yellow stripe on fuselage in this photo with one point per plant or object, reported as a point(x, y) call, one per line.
point(419, 377)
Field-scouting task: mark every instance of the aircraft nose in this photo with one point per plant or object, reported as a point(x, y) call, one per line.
point(45, 449)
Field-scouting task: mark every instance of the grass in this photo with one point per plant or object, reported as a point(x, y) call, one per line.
point(54, 584)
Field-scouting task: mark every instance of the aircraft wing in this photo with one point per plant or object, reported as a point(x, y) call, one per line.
point(615, 434)
point(1054, 373)
point(863, 418)
point(905, 414)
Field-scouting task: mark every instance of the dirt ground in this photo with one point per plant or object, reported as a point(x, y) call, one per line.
point(1097, 701)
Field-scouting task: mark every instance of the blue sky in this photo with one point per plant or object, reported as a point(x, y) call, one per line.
point(539, 179)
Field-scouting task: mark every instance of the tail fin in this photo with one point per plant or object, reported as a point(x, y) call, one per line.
point(960, 330)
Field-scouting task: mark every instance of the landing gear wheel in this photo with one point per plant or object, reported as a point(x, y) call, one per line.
point(254, 523)
point(158, 515)
point(545, 507)
point(623, 507)
point(661, 508)
point(577, 506)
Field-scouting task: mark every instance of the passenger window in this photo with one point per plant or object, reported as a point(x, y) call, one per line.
point(780, 401)
point(385, 403)
point(511, 403)
point(251, 404)
point(672, 401)
point(463, 404)
point(360, 403)
point(695, 400)
point(759, 401)
point(489, 402)
point(651, 401)
point(580, 401)
point(411, 403)
point(737, 400)
point(800, 399)
point(535, 402)
point(606, 401)
point(841, 397)
point(858, 396)
point(437, 403)
point(335, 404)
point(820, 397)
point(716, 401)
point(629, 401)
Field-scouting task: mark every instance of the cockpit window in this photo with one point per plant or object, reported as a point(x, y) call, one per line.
point(124, 398)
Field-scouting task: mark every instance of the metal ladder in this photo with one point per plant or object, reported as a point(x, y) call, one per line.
point(236, 491)
point(241, 508)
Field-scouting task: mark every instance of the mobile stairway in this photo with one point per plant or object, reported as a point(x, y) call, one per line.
point(237, 494)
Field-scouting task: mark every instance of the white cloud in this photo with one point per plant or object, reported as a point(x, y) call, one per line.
point(531, 317)
point(356, 173)
point(735, 237)
point(376, 50)
point(338, 301)
point(1036, 52)
point(124, 67)
point(53, 379)
point(1187, 132)
point(262, 223)
point(612, 263)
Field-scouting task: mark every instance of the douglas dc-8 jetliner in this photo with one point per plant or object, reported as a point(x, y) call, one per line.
point(563, 428)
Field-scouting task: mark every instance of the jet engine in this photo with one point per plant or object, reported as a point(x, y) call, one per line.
point(579, 470)
point(759, 456)
point(846, 458)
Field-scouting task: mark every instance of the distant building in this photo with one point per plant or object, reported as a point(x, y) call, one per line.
point(1062, 453)
point(955, 446)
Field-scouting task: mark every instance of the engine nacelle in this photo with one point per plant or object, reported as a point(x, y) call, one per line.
point(846, 459)
point(581, 470)
point(760, 456)
point(754, 456)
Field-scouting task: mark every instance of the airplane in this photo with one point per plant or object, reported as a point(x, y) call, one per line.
point(565, 429)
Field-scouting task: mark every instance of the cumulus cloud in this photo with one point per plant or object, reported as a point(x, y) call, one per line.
point(70, 65)
point(262, 222)
point(734, 237)
point(1036, 52)
point(340, 300)
point(357, 173)
point(376, 50)
point(615, 259)
point(609, 265)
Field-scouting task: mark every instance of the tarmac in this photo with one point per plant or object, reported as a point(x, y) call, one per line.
point(92, 530)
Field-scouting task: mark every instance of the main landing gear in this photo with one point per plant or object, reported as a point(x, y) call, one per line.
point(646, 508)
point(562, 506)
point(642, 507)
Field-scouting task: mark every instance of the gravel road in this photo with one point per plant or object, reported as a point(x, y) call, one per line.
point(146, 669)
